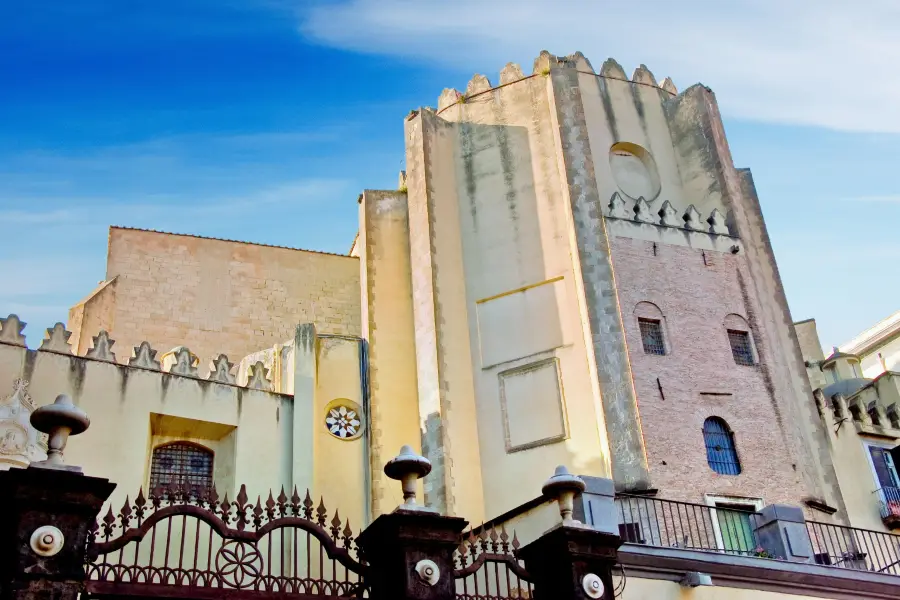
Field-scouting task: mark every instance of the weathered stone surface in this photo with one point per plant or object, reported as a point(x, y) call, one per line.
point(717, 222)
point(11, 331)
point(258, 377)
point(668, 217)
point(618, 208)
point(220, 370)
point(181, 361)
point(144, 357)
point(642, 212)
point(693, 220)
point(102, 348)
point(669, 86)
point(57, 340)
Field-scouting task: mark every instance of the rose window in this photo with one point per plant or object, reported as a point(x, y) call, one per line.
point(343, 422)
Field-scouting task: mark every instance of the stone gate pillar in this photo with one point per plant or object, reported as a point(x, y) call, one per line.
point(571, 561)
point(45, 513)
point(410, 550)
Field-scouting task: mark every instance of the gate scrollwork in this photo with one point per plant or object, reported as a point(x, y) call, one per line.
point(181, 542)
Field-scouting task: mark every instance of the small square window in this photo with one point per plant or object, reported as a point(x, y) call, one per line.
point(652, 336)
point(741, 348)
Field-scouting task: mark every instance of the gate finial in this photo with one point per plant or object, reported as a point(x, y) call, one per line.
point(563, 487)
point(407, 467)
point(59, 420)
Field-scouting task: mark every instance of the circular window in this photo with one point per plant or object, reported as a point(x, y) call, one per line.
point(343, 419)
point(634, 171)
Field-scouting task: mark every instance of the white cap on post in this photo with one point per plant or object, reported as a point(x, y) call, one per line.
point(407, 467)
point(563, 487)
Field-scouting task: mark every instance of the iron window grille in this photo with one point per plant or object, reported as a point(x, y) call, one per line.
point(182, 465)
point(721, 453)
point(741, 348)
point(652, 336)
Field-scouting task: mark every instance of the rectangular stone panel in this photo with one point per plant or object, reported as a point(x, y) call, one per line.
point(531, 399)
point(520, 323)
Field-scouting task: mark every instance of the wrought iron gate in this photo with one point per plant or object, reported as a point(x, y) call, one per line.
point(489, 569)
point(184, 543)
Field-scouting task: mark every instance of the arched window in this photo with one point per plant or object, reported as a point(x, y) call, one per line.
point(651, 326)
point(741, 341)
point(182, 464)
point(721, 453)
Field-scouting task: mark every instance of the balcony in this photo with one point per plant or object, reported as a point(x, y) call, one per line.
point(889, 500)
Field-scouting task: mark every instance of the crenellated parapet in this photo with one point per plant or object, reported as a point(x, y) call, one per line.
point(640, 211)
point(481, 87)
point(179, 361)
point(873, 408)
point(665, 224)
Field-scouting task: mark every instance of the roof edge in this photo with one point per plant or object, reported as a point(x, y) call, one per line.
point(218, 239)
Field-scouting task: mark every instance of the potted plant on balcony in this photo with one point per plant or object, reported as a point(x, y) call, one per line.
point(891, 514)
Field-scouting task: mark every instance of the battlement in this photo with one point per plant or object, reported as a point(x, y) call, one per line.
point(873, 409)
point(480, 86)
point(179, 361)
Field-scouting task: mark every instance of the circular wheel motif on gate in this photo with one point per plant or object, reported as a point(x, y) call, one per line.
point(238, 564)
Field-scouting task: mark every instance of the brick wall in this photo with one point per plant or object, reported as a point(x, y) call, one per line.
point(217, 296)
point(698, 376)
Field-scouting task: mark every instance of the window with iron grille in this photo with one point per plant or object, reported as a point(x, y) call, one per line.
point(652, 336)
point(182, 464)
point(721, 453)
point(741, 347)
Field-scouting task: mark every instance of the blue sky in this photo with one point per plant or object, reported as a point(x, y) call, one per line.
point(262, 120)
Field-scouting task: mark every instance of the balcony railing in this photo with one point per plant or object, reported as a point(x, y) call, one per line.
point(854, 548)
point(889, 502)
point(672, 524)
point(656, 522)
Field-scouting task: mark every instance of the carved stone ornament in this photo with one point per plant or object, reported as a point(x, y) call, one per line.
point(592, 585)
point(428, 571)
point(102, 348)
point(47, 540)
point(220, 370)
point(144, 357)
point(258, 377)
point(57, 340)
point(11, 331)
point(20, 443)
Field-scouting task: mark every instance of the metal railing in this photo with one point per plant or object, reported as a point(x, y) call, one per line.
point(889, 503)
point(673, 524)
point(853, 548)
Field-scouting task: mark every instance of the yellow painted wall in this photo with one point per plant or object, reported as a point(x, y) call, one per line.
point(386, 288)
point(340, 465)
point(122, 403)
point(656, 589)
point(253, 433)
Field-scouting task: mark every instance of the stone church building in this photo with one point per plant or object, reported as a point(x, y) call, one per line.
point(571, 271)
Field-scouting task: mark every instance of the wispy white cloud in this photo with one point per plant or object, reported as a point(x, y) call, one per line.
point(826, 63)
point(143, 211)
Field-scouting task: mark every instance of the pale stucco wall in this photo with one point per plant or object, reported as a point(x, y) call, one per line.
point(242, 425)
point(386, 288)
point(492, 249)
point(811, 350)
point(257, 436)
point(880, 358)
point(217, 296)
